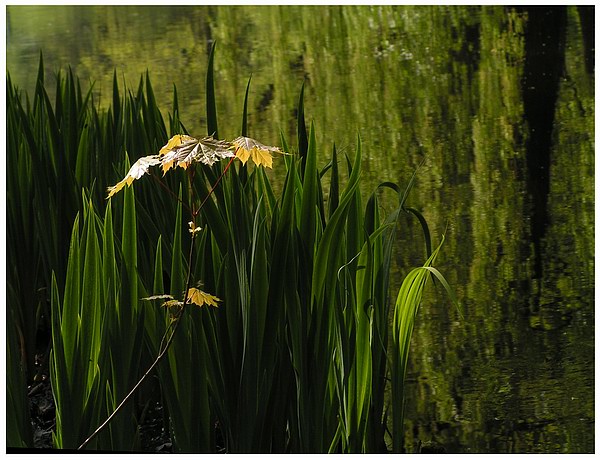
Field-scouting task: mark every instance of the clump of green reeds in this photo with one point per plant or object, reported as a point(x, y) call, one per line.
point(298, 355)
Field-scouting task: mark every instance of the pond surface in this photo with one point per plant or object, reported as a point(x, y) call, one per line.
point(497, 101)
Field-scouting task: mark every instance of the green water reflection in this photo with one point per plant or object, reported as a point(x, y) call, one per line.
point(440, 83)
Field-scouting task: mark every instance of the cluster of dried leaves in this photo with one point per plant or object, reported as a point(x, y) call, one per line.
point(183, 150)
point(195, 296)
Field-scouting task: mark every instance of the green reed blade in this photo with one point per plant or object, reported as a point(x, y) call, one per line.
point(424, 227)
point(405, 312)
point(302, 131)
point(334, 186)
point(308, 213)
point(245, 110)
point(116, 101)
point(211, 103)
point(324, 273)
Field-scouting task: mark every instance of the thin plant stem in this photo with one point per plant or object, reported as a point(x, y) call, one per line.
point(174, 325)
point(161, 183)
point(215, 185)
point(158, 359)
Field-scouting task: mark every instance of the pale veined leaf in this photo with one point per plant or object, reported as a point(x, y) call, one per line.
point(183, 152)
point(138, 169)
point(158, 297)
point(208, 151)
point(177, 154)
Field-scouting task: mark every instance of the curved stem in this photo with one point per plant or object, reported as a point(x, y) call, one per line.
point(163, 349)
point(161, 354)
point(161, 183)
point(214, 185)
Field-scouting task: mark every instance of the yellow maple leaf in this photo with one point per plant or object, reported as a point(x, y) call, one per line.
point(248, 148)
point(175, 142)
point(200, 298)
point(173, 153)
point(138, 169)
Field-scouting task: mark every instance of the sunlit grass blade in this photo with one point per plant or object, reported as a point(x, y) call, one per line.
point(405, 313)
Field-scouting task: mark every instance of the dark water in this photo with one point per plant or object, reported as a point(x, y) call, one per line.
point(500, 104)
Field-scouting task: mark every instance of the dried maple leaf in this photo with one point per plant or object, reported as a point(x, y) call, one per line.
point(261, 154)
point(184, 150)
point(138, 169)
point(200, 298)
point(177, 141)
point(208, 151)
point(174, 152)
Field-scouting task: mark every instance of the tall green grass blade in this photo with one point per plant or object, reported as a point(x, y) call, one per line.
point(109, 268)
point(325, 270)
point(424, 227)
point(309, 212)
point(90, 314)
point(69, 313)
point(116, 103)
point(334, 186)
point(211, 103)
point(124, 325)
point(302, 131)
point(245, 111)
point(75, 367)
point(129, 241)
point(58, 364)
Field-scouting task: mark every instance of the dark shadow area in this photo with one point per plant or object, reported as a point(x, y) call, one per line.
point(544, 65)
point(586, 16)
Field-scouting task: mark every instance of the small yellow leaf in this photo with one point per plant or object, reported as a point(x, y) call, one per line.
point(200, 298)
point(261, 154)
point(243, 155)
point(193, 228)
point(176, 141)
point(116, 188)
point(262, 157)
